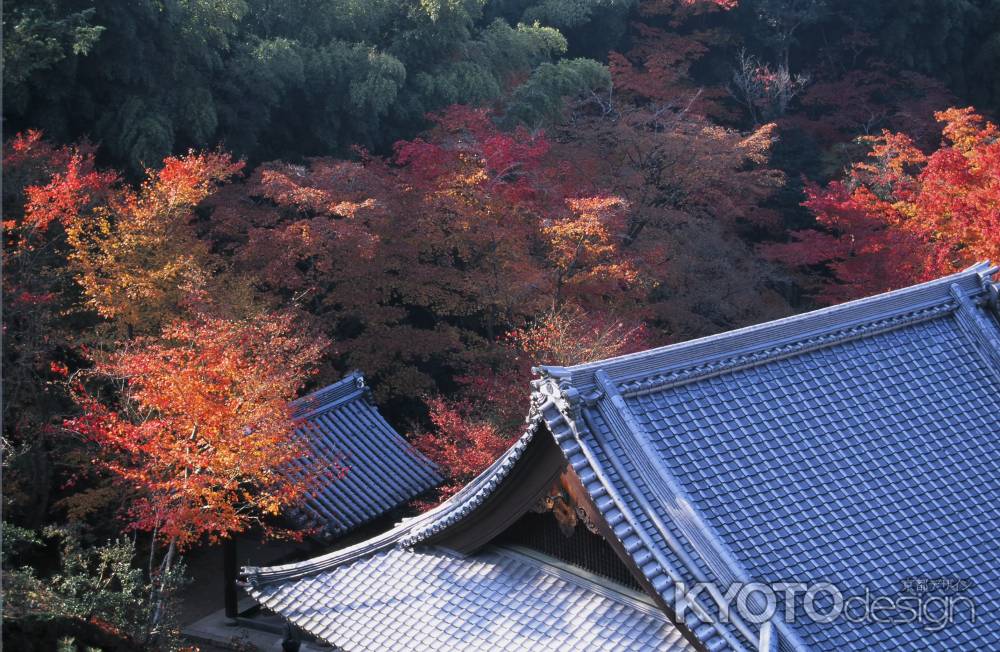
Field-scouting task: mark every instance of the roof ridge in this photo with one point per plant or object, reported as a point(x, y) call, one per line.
point(701, 537)
point(781, 332)
point(349, 387)
point(985, 337)
point(718, 365)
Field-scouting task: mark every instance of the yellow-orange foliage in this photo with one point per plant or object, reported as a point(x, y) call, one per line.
point(136, 254)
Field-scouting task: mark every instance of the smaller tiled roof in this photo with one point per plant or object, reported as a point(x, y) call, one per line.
point(500, 599)
point(383, 470)
point(411, 531)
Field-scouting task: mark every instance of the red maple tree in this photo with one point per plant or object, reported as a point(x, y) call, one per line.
point(903, 216)
point(41, 326)
point(469, 432)
point(416, 261)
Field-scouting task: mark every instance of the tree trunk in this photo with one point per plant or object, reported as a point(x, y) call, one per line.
point(229, 576)
point(157, 596)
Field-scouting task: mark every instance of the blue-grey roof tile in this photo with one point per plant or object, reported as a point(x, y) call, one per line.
point(382, 470)
point(858, 444)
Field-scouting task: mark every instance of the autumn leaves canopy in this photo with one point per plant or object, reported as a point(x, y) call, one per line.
point(470, 254)
point(166, 323)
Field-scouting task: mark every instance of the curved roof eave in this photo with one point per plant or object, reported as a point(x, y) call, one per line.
point(410, 531)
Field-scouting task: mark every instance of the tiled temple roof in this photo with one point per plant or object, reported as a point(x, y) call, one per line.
point(858, 444)
point(500, 600)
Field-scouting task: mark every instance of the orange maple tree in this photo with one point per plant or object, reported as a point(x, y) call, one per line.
point(585, 250)
point(87, 255)
point(197, 424)
point(137, 257)
point(902, 216)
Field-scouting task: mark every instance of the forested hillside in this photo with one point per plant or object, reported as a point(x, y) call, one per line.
point(213, 206)
point(282, 80)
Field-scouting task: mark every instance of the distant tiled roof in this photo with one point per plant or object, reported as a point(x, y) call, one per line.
point(499, 600)
point(858, 444)
point(382, 469)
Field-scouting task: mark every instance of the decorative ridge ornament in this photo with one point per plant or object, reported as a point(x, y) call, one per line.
point(992, 289)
